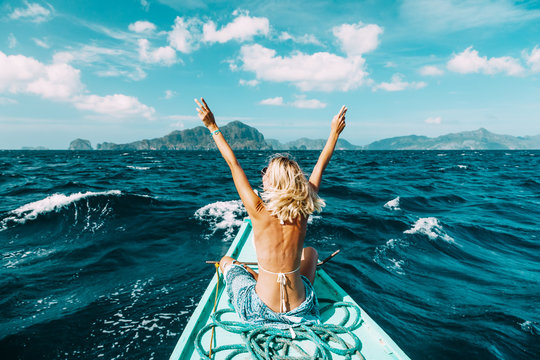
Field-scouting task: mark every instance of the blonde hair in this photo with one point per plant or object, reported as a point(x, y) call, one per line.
point(287, 193)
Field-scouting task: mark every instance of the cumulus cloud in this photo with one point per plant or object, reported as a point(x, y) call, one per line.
point(253, 82)
point(61, 82)
point(357, 39)
point(33, 12)
point(303, 103)
point(163, 55)
point(318, 71)
point(142, 26)
point(276, 101)
point(469, 61)
point(21, 74)
point(12, 41)
point(430, 70)
point(397, 84)
point(533, 59)
point(304, 39)
point(433, 120)
point(242, 28)
point(116, 105)
point(184, 35)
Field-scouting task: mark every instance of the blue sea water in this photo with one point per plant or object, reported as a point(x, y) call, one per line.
point(102, 254)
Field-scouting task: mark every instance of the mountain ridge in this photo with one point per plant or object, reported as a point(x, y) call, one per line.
point(244, 137)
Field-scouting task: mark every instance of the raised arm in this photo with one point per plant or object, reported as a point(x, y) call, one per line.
point(338, 124)
point(250, 200)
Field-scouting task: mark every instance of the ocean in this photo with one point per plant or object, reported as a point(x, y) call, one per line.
point(102, 254)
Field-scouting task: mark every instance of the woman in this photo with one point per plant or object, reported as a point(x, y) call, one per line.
point(282, 292)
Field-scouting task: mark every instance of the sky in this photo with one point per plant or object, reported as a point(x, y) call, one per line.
point(126, 70)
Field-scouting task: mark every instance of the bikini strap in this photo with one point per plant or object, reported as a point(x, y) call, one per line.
point(278, 273)
point(282, 280)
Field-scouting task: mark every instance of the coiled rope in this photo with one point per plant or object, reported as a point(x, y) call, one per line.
point(269, 343)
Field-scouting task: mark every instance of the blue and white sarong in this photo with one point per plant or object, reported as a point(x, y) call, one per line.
point(251, 309)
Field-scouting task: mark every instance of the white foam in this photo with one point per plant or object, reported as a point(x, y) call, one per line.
point(462, 166)
point(384, 258)
point(226, 215)
point(51, 203)
point(393, 204)
point(431, 227)
point(138, 167)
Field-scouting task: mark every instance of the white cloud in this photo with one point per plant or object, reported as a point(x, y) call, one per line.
point(184, 35)
point(430, 70)
point(136, 74)
point(397, 84)
point(433, 120)
point(301, 102)
point(242, 28)
point(169, 94)
point(7, 101)
point(357, 39)
point(253, 82)
point(533, 59)
point(318, 71)
point(61, 82)
point(142, 26)
point(304, 39)
point(33, 12)
point(41, 43)
point(110, 62)
point(163, 55)
point(304, 103)
point(454, 15)
point(116, 105)
point(469, 61)
point(145, 5)
point(276, 101)
point(21, 74)
point(12, 41)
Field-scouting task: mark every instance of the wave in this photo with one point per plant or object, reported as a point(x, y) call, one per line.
point(138, 167)
point(393, 204)
point(431, 227)
point(49, 204)
point(222, 215)
point(387, 256)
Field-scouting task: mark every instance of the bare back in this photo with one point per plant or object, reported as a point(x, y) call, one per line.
point(279, 249)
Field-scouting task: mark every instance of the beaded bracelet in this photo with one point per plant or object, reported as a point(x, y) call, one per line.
point(215, 132)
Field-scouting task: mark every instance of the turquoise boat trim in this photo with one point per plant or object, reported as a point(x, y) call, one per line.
point(375, 343)
point(205, 307)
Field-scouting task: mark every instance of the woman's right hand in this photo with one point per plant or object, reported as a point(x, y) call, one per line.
point(206, 115)
point(338, 122)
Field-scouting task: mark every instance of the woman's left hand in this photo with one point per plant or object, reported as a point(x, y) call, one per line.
point(205, 114)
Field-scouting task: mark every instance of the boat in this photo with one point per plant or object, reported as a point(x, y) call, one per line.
point(213, 331)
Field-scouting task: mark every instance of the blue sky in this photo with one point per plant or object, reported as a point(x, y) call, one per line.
point(124, 70)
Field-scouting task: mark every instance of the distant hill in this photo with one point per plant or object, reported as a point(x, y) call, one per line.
point(80, 144)
point(480, 139)
point(243, 137)
point(310, 144)
point(239, 135)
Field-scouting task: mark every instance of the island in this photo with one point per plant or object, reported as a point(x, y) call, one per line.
point(244, 137)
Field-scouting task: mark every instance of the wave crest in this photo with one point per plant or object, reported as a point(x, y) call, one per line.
point(224, 215)
point(431, 227)
point(49, 204)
